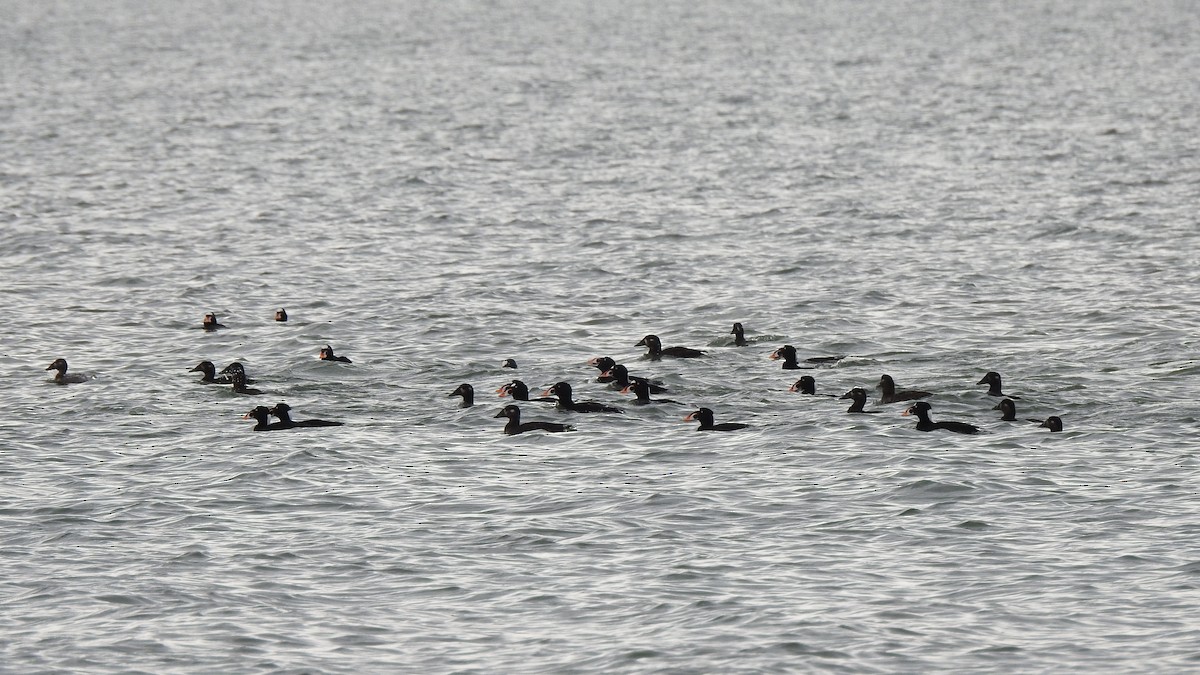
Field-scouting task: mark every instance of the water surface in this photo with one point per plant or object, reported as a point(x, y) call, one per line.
point(935, 191)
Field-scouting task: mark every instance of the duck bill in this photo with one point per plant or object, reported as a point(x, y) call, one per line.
point(907, 412)
point(627, 389)
point(548, 392)
point(690, 417)
point(845, 396)
point(775, 356)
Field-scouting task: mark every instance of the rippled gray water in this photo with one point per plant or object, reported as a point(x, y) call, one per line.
point(934, 189)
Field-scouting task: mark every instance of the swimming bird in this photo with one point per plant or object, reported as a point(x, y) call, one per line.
point(467, 392)
point(804, 385)
point(230, 370)
point(992, 380)
point(891, 395)
point(603, 364)
point(281, 314)
point(705, 417)
point(211, 323)
point(1053, 423)
point(283, 412)
point(807, 385)
point(620, 378)
point(739, 335)
point(238, 380)
point(509, 363)
point(515, 426)
point(655, 350)
point(791, 361)
point(328, 355)
point(921, 410)
point(61, 376)
point(520, 392)
point(209, 373)
point(563, 391)
point(641, 389)
point(260, 414)
point(1008, 412)
point(788, 354)
point(859, 397)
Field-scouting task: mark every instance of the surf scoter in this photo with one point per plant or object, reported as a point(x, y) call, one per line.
point(328, 355)
point(260, 414)
point(603, 364)
point(281, 315)
point(788, 354)
point(804, 385)
point(791, 361)
point(739, 335)
point(1053, 423)
point(211, 323)
point(655, 350)
point(509, 363)
point(921, 410)
point(61, 376)
point(209, 373)
point(563, 391)
point(807, 385)
point(621, 379)
point(515, 426)
point(467, 392)
point(992, 380)
point(238, 380)
point(859, 397)
point(705, 417)
point(229, 370)
point(1008, 412)
point(283, 412)
point(641, 388)
point(890, 395)
point(520, 392)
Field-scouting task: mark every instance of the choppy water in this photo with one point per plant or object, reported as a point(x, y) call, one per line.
point(936, 189)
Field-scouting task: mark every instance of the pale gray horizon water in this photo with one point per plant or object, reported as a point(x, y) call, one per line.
point(933, 190)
